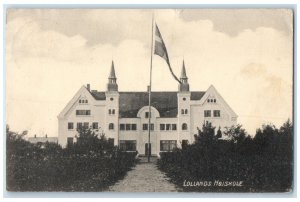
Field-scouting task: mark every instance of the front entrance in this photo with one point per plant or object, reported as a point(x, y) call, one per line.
point(147, 149)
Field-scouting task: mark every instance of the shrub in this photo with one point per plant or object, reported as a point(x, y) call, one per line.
point(264, 163)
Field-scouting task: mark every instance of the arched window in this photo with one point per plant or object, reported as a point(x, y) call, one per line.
point(86, 101)
point(184, 126)
point(109, 111)
point(186, 111)
point(111, 126)
point(79, 101)
point(182, 111)
point(113, 111)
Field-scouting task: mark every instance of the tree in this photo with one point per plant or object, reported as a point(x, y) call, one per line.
point(236, 133)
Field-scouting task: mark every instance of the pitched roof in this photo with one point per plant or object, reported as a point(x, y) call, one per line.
point(132, 102)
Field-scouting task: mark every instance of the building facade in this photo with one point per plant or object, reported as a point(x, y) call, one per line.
point(123, 117)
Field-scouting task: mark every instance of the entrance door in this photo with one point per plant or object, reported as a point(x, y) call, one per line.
point(147, 149)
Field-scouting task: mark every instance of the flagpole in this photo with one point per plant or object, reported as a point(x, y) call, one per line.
point(150, 85)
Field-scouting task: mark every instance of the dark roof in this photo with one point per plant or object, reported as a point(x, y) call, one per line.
point(132, 102)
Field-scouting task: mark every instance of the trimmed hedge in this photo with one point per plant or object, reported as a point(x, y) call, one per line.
point(32, 168)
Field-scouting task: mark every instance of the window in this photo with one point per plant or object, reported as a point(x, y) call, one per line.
point(184, 111)
point(79, 101)
point(113, 111)
point(174, 127)
point(184, 126)
point(145, 126)
point(217, 113)
point(95, 125)
point(111, 126)
point(122, 126)
point(147, 114)
point(86, 125)
point(167, 145)
point(184, 143)
point(128, 145)
point(109, 111)
point(215, 100)
point(162, 126)
point(111, 99)
point(70, 140)
point(207, 113)
point(133, 127)
point(111, 141)
point(127, 126)
point(70, 125)
point(79, 125)
point(83, 112)
point(168, 126)
point(184, 99)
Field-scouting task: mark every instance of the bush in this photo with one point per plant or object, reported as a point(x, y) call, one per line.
point(85, 166)
point(264, 163)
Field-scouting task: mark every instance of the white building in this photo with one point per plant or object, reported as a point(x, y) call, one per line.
point(123, 116)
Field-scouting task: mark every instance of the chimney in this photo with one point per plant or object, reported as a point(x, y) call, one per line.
point(34, 135)
point(88, 87)
point(46, 136)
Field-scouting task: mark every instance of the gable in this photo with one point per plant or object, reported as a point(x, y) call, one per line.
point(212, 94)
point(81, 93)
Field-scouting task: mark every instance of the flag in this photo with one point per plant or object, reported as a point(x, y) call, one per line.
point(160, 49)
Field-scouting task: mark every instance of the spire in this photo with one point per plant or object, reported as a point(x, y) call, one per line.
point(184, 86)
point(183, 72)
point(112, 74)
point(112, 79)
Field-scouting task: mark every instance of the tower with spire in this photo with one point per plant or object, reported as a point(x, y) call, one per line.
point(112, 106)
point(184, 86)
point(112, 79)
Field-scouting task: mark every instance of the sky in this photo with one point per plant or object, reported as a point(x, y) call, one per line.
point(246, 54)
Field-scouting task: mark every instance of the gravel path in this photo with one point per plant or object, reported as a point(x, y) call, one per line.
point(145, 177)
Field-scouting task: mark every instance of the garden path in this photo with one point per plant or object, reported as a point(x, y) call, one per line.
point(144, 177)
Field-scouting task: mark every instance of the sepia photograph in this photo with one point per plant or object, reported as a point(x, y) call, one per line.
point(149, 100)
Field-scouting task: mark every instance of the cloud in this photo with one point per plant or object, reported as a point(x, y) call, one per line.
point(48, 61)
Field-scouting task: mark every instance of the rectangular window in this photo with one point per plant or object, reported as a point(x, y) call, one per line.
point(95, 125)
point(152, 126)
point(184, 143)
point(162, 126)
point(86, 125)
point(168, 126)
point(79, 125)
point(70, 125)
point(70, 140)
point(147, 114)
point(145, 126)
point(167, 145)
point(128, 145)
point(122, 126)
point(111, 141)
point(83, 112)
point(174, 127)
point(127, 126)
point(133, 126)
point(207, 113)
point(217, 113)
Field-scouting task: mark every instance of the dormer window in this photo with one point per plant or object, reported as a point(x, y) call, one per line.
point(147, 115)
